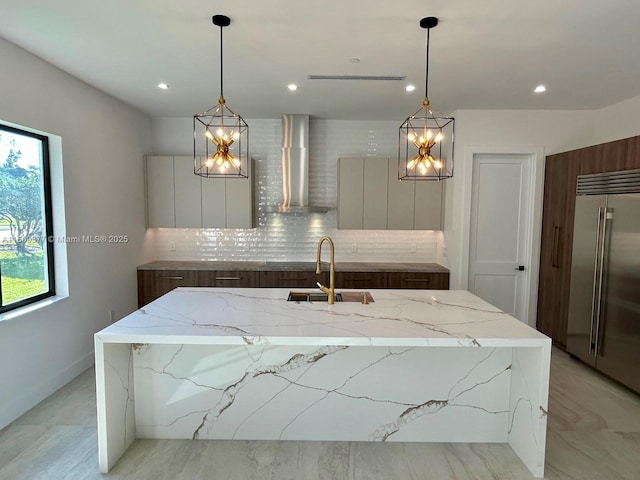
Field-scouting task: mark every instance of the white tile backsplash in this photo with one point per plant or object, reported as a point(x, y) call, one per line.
point(293, 237)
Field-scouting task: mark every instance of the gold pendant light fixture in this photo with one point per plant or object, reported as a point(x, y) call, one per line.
point(220, 136)
point(425, 143)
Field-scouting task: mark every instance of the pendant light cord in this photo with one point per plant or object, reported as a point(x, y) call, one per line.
point(426, 73)
point(221, 64)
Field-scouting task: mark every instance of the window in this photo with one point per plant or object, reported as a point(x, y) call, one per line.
point(26, 232)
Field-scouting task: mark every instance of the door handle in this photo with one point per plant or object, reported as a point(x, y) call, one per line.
point(555, 253)
point(519, 268)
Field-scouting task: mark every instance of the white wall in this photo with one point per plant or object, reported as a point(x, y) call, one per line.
point(617, 121)
point(103, 144)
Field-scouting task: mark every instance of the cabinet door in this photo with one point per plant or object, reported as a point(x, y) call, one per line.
point(188, 194)
point(292, 279)
point(429, 201)
point(401, 204)
point(419, 280)
point(239, 200)
point(155, 283)
point(228, 278)
point(160, 192)
point(214, 203)
point(350, 192)
point(361, 280)
point(376, 180)
point(555, 249)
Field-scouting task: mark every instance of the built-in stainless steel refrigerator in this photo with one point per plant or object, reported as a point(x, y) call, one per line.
point(604, 303)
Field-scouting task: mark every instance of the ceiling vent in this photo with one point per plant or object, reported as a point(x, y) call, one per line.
point(356, 77)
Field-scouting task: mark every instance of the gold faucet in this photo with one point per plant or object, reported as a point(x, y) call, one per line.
point(332, 272)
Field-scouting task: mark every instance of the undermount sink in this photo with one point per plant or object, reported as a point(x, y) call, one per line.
point(323, 297)
point(311, 297)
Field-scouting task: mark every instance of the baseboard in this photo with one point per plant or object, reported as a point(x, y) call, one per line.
point(18, 405)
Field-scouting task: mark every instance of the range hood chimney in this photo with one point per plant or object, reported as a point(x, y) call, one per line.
point(295, 167)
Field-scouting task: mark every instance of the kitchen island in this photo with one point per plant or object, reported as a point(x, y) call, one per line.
point(413, 366)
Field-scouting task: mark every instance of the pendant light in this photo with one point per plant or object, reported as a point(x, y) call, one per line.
point(425, 143)
point(220, 136)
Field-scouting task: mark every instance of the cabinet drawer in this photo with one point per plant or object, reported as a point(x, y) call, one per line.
point(290, 279)
point(417, 280)
point(228, 278)
point(155, 283)
point(361, 280)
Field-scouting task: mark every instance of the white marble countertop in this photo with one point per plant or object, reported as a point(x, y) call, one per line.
point(242, 316)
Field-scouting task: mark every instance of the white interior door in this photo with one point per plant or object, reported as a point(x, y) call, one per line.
point(499, 235)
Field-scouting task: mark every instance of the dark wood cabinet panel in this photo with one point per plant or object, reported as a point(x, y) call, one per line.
point(561, 174)
point(416, 280)
point(633, 153)
point(228, 278)
point(557, 238)
point(292, 279)
point(155, 283)
point(361, 280)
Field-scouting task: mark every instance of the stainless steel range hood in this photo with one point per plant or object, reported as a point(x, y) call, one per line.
point(295, 167)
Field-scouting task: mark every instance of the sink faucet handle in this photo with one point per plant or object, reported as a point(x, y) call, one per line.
point(322, 287)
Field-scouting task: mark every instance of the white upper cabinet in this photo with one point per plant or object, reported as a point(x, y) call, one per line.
point(401, 204)
point(428, 208)
point(214, 203)
point(376, 179)
point(188, 191)
point(160, 192)
point(370, 196)
point(176, 197)
point(350, 192)
point(228, 202)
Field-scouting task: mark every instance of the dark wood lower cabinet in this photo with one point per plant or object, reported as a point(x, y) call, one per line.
point(155, 283)
point(292, 279)
point(361, 280)
point(228, 278)
point(417, 280)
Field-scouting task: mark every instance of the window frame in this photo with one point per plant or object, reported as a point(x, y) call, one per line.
point(47, 224)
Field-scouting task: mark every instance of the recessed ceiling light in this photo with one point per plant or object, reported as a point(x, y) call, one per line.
point(410, 88)
point(163, 86)
point(540, 89)
point(292, 86)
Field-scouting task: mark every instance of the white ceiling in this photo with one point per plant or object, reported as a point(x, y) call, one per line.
point(486, 54)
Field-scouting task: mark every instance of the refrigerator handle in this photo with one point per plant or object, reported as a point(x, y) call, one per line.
point(596, 283)
point(607, 215)
point(601, 259)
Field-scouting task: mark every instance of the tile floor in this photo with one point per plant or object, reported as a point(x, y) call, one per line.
point(594, 433)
